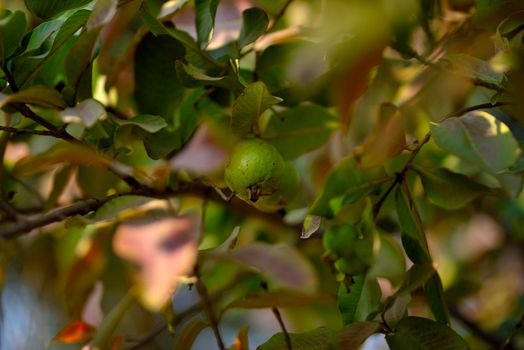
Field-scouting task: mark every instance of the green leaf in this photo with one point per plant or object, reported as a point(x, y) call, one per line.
point(205, 11)
point(196, 56)
point(281, 263)
point(250, 105)
point(117, 206)
point(158, 89)
point(147, 122)
point(161, 143)
point(415, 278)
point(187, 336)
point(254, 24)
point(417, 333)
point(435, 297)
point(38, 95)
point(352, 246)
point(80, 57)
point(352, 336)
point(474, 68)
point(389, 261)
point(310, 225)
point(447, 189)
point(412, 233)
point(347, 183)
point(12, 28)
point(360, 300)
point(49, 8)
point(192, 77)
point(317, 339)
point(278, 298)
point(55, 34)
point(299, 130)
point(104, 333)
point(479, 138)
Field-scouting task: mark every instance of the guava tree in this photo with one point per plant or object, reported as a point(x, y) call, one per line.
point(288, 174)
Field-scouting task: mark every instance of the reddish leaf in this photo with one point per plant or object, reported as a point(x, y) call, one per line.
point(74, 332)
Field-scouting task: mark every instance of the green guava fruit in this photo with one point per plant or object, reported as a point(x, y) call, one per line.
point(288, 189)
point(255, 170)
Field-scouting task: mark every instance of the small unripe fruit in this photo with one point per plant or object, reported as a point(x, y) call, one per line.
point(288, 189)
point(255, 170)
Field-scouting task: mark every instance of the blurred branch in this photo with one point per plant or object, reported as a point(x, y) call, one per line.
point(507, 343)
point(21, 131)
point(189, 312)
point(208, 307)
point(278, 316)
point(400, 175)
point(491, 339)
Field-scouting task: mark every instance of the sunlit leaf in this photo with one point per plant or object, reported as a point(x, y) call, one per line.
point(417, 333)
point(249, 106)
point(117, 206)
point(74, 153)
point(479, 138)
point(447, 189)
point(310, 226)
point(281, 263)
point(87, 112)
point(164, 248)
point(38, 95)
point(298, 130)
point(254, 24)
point(473, 68)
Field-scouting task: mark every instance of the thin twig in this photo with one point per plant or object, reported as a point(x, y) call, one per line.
point(208, 307)
point(22, 131)
point(400, 176)
point(278, 316)
point(490, 339)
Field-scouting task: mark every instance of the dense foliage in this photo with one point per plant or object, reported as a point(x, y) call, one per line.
point(307, 174)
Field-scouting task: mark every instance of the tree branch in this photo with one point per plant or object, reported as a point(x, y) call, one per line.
point(208, 307)
point(400, 176)
point(21, 131)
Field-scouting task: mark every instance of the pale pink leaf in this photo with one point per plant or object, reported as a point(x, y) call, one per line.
point(280, 263)
point(165, 249)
